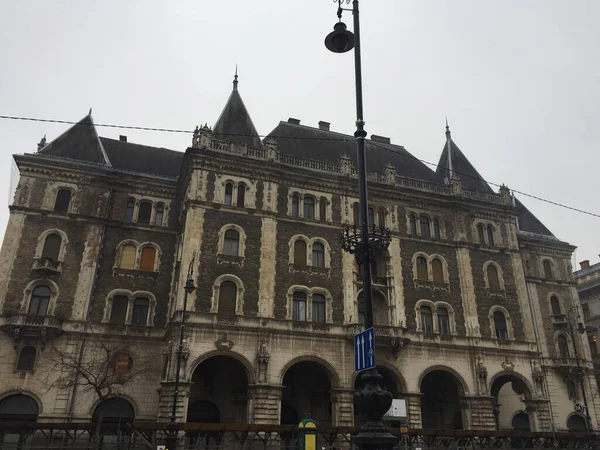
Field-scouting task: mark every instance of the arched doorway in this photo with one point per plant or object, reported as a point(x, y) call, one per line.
point(219, 391)
point(440, 405)
point(306, 394)
point(19, 408)
point(509, 393)
point(576, 423)
point(389, 382)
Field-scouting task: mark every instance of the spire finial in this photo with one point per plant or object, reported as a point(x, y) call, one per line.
point(235, 81)
point(90, 113)
point(447, 127)
point(449, 150)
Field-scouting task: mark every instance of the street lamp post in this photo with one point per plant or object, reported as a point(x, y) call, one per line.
point(171, 440)
point(372, 401)
point(582, 330)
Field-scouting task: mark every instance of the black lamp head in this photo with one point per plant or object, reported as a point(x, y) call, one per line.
point(189, 286)
point(581, 328)
point(340, 40)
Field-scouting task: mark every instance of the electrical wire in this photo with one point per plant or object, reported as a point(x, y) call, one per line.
point(341, 138)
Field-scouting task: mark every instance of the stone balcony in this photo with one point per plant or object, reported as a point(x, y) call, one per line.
point(23, 326)
point(568, 365)
point(376, 280)
point(559, 319)
point(47, 266)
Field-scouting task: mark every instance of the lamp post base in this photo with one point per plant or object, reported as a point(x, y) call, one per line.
point(373, 402)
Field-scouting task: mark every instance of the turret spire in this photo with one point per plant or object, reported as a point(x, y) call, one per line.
point(235, 81)
point(449, 149)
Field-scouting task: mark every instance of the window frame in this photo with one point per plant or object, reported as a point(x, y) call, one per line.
point(59, 201)
point(232, 306)
point(135, 311)
point(231, 246)
point(53, 257)
point(32, 359)
point(228, 196)
point(321, 308)
point(318, 256)
point(501, 332)
point(159, 216)
point(443, 319)
point(425, 226)
point(39, 300)
point(125, 300)
point(426, 319)
point(299, 298)
point(308, 209)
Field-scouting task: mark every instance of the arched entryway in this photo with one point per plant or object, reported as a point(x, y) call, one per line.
point(576, 423)
point(219, 391)
point(18, 408)
point(509, 393)
point(117, 412)
point(390, 382)
point(306, 394)
point(440, 404)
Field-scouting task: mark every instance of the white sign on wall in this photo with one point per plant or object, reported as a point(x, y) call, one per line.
point(398, 409)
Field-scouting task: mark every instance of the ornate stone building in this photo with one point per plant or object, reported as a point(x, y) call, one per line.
point(102, 232)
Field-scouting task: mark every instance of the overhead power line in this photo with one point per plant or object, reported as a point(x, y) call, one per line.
point(341, 138)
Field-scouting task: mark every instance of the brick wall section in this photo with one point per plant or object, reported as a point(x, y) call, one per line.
point(66, 281)
point(249, 273)
point(412, 294)
point(510, 300)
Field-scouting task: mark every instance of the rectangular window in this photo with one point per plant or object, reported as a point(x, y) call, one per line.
point(426, 320)
point(299, 307)
point(318, 308)
point(140, 312)
point(119, 310)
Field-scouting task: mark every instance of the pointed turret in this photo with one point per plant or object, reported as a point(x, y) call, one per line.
point(80, 142)
point(454, 164)
point(234, 123)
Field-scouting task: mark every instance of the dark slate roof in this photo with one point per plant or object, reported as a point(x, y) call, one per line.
point(79, 142)
point(462, 168)
point(322, 145)
point(528, 222)
point(234, 123)
point(142, 158)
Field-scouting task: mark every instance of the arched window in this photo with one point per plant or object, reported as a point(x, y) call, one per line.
point(141, 306)
point(27, 358)
point(300, 252)
point(309, 208)
point(426, 319)
point(563, 347)
point(145, 212)
point(548, 275)
point(422, 274)
point(227, 297)
point(425, 228)
point(241, 195)
point(438, 271)
point(228, 200)
point(371, 216)
point(481, 233)
point(413, 224)
point(490, 234)
point(118, 312)
point(299, 307)
point(231, 244)
point(122, 363)
point(318, 308)
point(147, 260)
point(129, 210)
point(443, 321)
point(356, 214)
point(40, 298)
point(63, 198)
point(436, 229)
point(52, 247)
point(318, 255)
point(295, 205)
point(571, 390)
point(128, 254)
point(361, 311)
point(555, 305)
point(323, 209)
point(160, 212)
point(500, 325)
point(381, 217)
point(493, 278)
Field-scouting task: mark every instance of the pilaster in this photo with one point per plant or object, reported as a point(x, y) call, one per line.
point(165, 401)
point(467, 290)
point(266, 283)
point(413, 409)
point(539, 414)
point(190, 248)
point(396, 260)
point(87, 271)
point(343, 406)
point(521, 285)
point(264, 403)
point(481, 412)
point(10, 245)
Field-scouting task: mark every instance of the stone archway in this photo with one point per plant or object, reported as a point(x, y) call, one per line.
point(440, 403)
point(390, 382)
point(307, 394)
point(219, 392)
point(509, 394)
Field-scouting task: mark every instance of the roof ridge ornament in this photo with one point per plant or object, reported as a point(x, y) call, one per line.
point(235, 79)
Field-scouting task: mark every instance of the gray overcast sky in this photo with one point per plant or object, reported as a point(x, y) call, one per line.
point(518, 80)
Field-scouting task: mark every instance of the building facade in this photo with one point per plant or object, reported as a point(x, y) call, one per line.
point(470, 299)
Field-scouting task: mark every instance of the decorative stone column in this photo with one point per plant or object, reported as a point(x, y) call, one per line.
point(413, 409)
point(264, 403)
point(480, 410)
point(343, 405)
point(539, 414)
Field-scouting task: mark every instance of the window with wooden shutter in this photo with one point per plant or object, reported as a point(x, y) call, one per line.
point(300, 252)
point(123, 363)
point(63, 198)
point(231, 243)
point(438, 271)
point(128, 254)
point(145, 212)
point(52, 247)
point(118, 313)
point(241, 195)
point(227, 298)
point(40, 298)
point(26, 360)
point(422, 274)
point(141, 306)
point(147, 260)
point(493, 278)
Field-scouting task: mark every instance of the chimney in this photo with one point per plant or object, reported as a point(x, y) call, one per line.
point(381, 139)
point(584, 264)
point(324, 125)
point(294, 121)
point(123, 138)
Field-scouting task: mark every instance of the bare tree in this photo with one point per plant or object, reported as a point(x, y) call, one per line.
point(105, 368)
